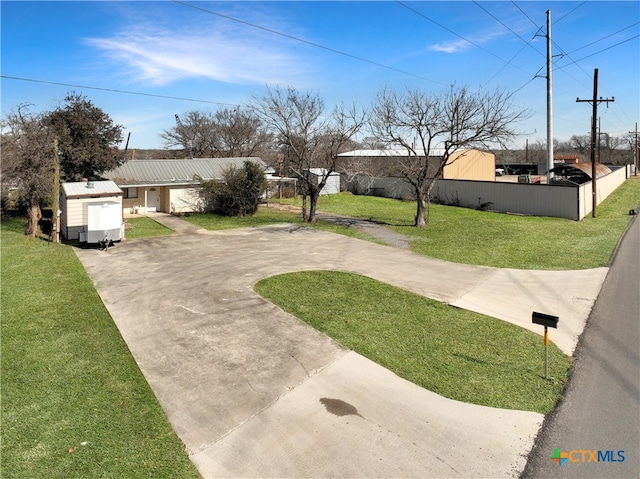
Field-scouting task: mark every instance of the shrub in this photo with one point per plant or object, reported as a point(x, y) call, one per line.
point(239, 193)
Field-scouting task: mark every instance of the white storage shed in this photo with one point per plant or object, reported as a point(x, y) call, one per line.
point(332, 186)
point(91, 211)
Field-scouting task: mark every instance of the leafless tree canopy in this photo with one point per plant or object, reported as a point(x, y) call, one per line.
point(224, 134)
point(308, 136)
point(431, 127)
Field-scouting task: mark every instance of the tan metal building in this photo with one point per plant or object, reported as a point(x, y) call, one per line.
point(468, 164)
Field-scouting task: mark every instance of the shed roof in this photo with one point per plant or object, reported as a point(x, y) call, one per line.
point(322, 171)
point(166, 172)
point(90, 188)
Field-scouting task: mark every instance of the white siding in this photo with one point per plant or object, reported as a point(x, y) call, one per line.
point(185, 200)
point(75, 216)
point(332, 185)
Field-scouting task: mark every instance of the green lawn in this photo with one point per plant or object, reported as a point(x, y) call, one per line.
point(469, 236)
point(267, 216)
point(144, 227)
point(453, 352)
point(74, 403)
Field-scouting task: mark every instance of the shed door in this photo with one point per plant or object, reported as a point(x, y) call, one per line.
point(153, 199)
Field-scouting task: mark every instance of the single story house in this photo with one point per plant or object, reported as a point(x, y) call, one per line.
point(468, 164)
point(170, 186)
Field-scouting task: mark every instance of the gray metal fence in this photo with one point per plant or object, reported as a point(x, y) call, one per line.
point(571, 202)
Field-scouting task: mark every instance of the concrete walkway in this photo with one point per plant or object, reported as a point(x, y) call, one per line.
point(253, 392)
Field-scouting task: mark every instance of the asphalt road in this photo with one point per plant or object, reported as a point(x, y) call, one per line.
point(597, 424)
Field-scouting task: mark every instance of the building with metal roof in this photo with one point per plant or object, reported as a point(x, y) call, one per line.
point(470, 164)
point(89, 208)
point(170, 186)
point(175, 172)
point(90, 189)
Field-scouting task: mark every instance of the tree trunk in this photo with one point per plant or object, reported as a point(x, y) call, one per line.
point(420, 219)
point(313, 202)
point(34, 217)
point(304, 207)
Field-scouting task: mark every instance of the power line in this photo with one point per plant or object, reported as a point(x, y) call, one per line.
point(587, 45)
point(525, 14)
point(568, 13)
point(307, 42)
point(527, 43)
point(112, 90)
point(600, 51)
point(449, 30)
point(460, 36)
point(604, 38)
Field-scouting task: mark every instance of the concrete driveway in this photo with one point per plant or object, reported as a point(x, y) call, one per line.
point(254, 392)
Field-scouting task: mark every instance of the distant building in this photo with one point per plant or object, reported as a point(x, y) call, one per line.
point(469, 164)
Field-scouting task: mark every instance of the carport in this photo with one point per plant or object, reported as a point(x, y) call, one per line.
point(578, 173)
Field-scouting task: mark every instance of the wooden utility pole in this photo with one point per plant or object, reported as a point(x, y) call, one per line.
point(594, 133)
point(55, 221)
point(636, 152)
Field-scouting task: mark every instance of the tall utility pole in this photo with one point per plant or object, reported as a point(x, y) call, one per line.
point(549, 103)
point(55, 222)
point(636, 152)
point(594, 133)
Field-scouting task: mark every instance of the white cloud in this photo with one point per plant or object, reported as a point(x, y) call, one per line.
point(162, 56)
point(461, 45)
point(451, 47)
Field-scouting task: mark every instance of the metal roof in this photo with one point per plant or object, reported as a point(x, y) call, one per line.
point(90, 188)
point(166, 172)
point(586, 168)
point(601, 169)
point(436, 152)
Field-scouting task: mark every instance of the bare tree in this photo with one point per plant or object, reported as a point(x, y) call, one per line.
point(226, 133)
point(309, 136)
point(194, 132)
point(581, 143)
point(239, 133)
point(538, 151)
point(27, 161)
point(435, 128)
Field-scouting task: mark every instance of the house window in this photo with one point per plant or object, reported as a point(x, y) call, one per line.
point(130, 192)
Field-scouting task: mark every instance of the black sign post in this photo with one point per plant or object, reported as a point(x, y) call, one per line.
point(547, 321)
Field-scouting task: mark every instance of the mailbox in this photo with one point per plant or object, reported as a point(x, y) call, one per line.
point(545, 319)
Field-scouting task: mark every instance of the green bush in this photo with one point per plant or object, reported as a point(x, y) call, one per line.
point(239, 193)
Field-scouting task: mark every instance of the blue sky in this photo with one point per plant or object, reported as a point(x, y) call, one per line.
point(350, 49)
